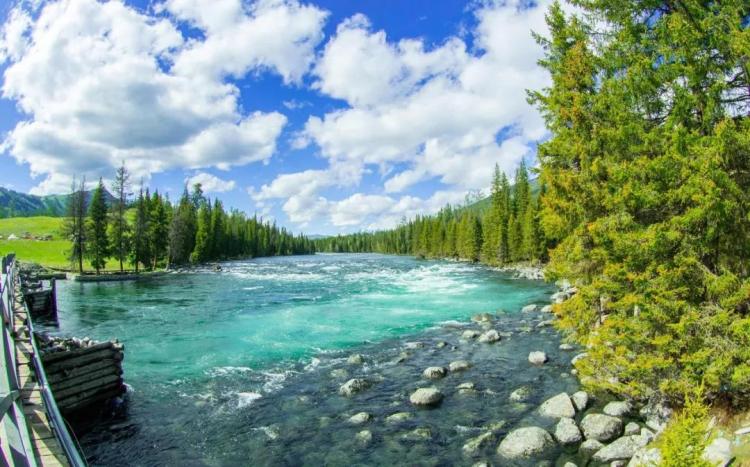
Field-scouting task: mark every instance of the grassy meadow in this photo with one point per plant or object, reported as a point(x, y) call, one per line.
point(51, 253)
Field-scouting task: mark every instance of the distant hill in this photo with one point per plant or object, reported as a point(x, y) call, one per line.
point(16, 204)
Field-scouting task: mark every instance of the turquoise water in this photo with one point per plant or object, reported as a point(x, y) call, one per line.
point(220, 364)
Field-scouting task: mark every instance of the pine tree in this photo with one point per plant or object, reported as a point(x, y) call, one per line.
point(182, 231)
point(74, 225)
point(158, 229)
point(97, 243)
point(140, 248)
point(120, 229)
point(203, 235)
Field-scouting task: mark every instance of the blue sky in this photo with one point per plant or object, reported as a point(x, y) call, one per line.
point(328, 116)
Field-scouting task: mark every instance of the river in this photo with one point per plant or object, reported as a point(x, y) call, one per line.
point(237, 367)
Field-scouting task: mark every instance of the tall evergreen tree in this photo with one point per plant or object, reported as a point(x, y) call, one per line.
point(182, 231)
point(140, 253)
point(74, 225)
point(120, 229)
point(97, 242)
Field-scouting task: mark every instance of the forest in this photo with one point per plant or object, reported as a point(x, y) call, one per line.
point(151, 232)
point(644, 199)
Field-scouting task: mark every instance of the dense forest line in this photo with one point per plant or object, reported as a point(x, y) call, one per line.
point(644, 201)
point(151, 232)
point(508, 231)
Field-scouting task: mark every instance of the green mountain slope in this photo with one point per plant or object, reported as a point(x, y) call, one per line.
point(16, 204)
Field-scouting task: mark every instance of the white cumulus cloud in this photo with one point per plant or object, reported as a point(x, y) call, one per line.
point(211, 183)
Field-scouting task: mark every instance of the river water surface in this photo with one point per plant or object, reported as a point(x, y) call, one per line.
point(237, 367)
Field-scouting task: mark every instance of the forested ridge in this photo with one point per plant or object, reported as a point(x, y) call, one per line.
point(152, 232)
point(507, 231)
point(644, 202)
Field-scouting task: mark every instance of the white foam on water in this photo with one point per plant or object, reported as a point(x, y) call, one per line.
point(227, 370)
point(245, 399)
point(256, 287)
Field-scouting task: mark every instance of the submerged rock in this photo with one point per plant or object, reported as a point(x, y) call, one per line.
point(364, 437)
point(474, 446)
point(353, 386)
point(414, 345)
point(435, 372)
point(566, 346)
point(459, 365)
point(426, 397)
point(489, 336)
point(441, 344)
point(529, 308)
point(360, 418)
point(355, 359)
point(398, 417)
point(418, 434)
point(601, 427)
point(521, 394)
point(558, 406)
point(467, 385)
point(339, 373)
point(470, 334)
point(567, 432)
point(482, 318)
point(526, 442)
point(546, 309)
point(537, 357)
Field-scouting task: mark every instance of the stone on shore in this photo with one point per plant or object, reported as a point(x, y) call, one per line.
point(547, 309)
point(656, 414)
point(567, 432)
point(719, 452)
point(474, 446)
point(360, 418)
point(601, 427)
point(526, 442)
point(578, 357)
point(645, 457)
point(529, 308)
point(618, 408)
point(620, 449)
point(489, 337)
point(459, 365)
point(590, 446)
point(580, 400)
point(558, 406)
point(521, 394)
point(537, 357)
point(426, 397)
point(435, 372)
point(632, 428)
point(398, 417)
point(353, 386)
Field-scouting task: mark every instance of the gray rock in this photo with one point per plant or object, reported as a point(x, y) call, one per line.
point(470, 334)
point(647, 434)
point(645, 457)
point(632, 428)
point(620, 449)
point(719, 452)
point(481, 464)
point(489, 336)
point(589, 447)
point(474, 446)
point(441, 344)
point(566, 346)
point(601, 427)
point(569, 464)
point(353, 386)
point(459, 365)
point(364, 437)
point(526, 442)
point(360, 418)
point(567, 432)
point(355, 359)
point(537, 357)
point(414, 345)
point(521, 394)
point(545, 323)
point(495, 426)
point(398, 417)
point(529, 308)
point(618, 463)
point(657, 414)
point(547, 309)
point(426, 397)
point(580, 400)
point(435, 372)
point(418, 434)
point(618, 408)
point(557, 407)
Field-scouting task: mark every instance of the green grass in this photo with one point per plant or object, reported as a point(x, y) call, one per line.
point(38, 225)
point(47, 253)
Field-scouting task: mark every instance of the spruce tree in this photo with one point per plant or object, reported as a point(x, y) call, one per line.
point(140, 245)
point(120, 229)
point(74, 224)
point(97, 242)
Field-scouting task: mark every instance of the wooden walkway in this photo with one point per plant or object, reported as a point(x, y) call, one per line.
point(47, 449)
point(32, 431)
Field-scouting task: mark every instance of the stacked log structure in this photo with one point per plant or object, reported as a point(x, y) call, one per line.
point(83, 374)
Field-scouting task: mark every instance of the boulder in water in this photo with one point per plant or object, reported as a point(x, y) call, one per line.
point(339, 373)
point(398, 417)
point(558, 406)
point(470, 334)
point(489, 336)
point(537, 357)
point(482, 318)
point(364, 437)
point(521, 394)
point(459, 365)
point(418, 434)
point(620, 449)
point(353, 386)
point(474, 446)
point(360, 418)
point(526, 442)
point(566, 346)
point(426, 397)
point(355, 359)
point(435, 372)
point(529, 308)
